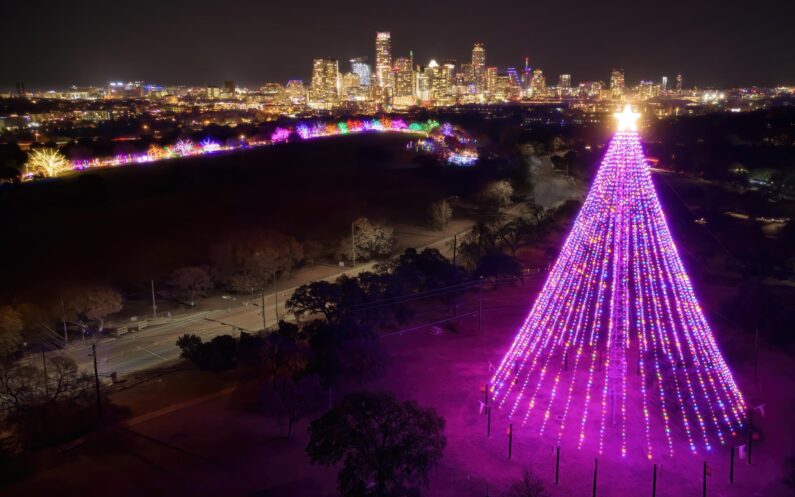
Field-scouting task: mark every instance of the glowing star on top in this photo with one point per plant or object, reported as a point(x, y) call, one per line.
point(616, 353)
point(627, 119)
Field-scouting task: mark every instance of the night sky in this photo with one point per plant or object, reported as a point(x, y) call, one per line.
point(57, 43)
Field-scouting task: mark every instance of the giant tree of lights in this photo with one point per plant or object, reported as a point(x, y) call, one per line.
point(616, 350)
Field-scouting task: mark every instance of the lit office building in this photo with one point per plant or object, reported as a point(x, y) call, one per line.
point(564, 85)
point(538, 84)
point(361, 68)
point(664, 83)
point(423, 84)
point(491, 80)
point(617, 83)
point(323, 89)
point(296, 92)
point(403, 77)
point(383, 60)
point(478, 68)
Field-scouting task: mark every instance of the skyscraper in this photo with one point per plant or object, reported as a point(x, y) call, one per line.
point(296, 92)
point(403, 77)
point(323, 89)
point(491, 80)
point(383, 59)
point(679, 82)
point(538, 83)
point(361, 68)
point(617, 83)
point(664, 84)
point(564, 81)
point(479, 67)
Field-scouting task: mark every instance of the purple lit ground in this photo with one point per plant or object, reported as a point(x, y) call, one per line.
point(203, 447)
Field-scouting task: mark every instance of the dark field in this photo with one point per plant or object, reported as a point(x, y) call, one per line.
point(134, 223)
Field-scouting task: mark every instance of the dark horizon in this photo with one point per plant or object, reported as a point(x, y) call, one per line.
point(88, 42)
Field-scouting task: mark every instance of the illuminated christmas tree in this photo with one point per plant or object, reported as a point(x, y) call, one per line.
point(616, 350)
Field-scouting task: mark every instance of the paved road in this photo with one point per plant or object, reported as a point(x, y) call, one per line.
point(149, 348)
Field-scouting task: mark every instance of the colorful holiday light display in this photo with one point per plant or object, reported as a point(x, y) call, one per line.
point(616, 348)
point(50, 163)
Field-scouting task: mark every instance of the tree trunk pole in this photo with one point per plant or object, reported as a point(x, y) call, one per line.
point(264, 322)
point(353, 243)
point(154, 303)
point(480, 306)
point(63, 320)
point(46, 381)
point(96, 379)
point(557, 464)
point(654, 483)
point(275, 298)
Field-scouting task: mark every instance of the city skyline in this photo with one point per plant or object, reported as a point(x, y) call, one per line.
point(255, 48)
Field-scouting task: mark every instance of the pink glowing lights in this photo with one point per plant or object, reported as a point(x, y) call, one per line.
point(616, 351)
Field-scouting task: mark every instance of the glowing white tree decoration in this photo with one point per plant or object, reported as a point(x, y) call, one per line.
point(46, 162)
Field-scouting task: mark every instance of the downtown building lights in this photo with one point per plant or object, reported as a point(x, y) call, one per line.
point(389, 83)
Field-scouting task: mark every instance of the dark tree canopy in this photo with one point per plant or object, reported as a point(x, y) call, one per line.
point(386, 447)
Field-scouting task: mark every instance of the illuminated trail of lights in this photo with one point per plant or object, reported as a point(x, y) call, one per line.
point(619, 304)
point(435, 136)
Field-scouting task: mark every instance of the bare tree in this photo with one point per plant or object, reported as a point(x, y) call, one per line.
point(497, 194)
point(371, 240)
point(91, 303)
point(440, 213)
point(250, 260)
point(190, 282)
point(11, 326)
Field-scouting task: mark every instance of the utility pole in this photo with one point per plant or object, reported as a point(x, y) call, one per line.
point(557, 464)
point(275, 298)
point(262, 296)
point(654, 482)
point(480, 306)
point(96, 378)
point(756, 355)
point(154, 303)
point(46, 383)
point(455, 247)
point(353, 243)
point(63, 320)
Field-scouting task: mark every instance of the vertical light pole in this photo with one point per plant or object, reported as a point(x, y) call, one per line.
point(595, 470)
point(275, 298)
point(96, 378)
point(46, 382)
point(353, 244)
point(480, 306)
point(557, 464)
point(455, 247)
point(154, 303)
point(756, 355)
point(63, 320)
point(510, 441)
point(654, 482)
point(264, 322)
